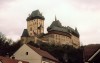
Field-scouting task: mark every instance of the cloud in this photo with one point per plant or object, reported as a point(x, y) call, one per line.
point(88, 1)
point(4, 3)
point(90, 35)
point(91, 5)
point(74, 13)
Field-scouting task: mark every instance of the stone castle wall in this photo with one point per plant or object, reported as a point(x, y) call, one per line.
point(33, 27)
point(57, 34)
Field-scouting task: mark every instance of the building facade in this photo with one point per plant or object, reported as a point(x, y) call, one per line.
point(57, 34)
point(32, 54)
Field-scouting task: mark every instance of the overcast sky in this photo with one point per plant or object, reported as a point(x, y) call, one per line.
point(83, 14)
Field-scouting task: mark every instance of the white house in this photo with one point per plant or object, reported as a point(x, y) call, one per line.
point(33, 55)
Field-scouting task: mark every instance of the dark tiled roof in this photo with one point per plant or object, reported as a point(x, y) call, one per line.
point(59, 29)
point(96, 57)
point(8, 60)
point(25, 33)
point(43, 53)
point(35, 14)
point(89, 50)
point(56, 25)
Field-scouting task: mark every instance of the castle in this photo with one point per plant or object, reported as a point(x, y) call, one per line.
point(57, 34)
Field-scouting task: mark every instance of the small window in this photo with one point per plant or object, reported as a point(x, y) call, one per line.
point(30, 28)
point(26, 53)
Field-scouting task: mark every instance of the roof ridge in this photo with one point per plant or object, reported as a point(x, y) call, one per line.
point(42, 53)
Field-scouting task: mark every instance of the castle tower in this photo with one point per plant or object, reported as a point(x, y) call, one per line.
point(57, 33)
point(35, 23)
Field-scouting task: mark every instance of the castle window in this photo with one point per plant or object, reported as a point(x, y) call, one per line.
point(34, 22)
point(26, 53)
point(30, 33)
point(30, 28)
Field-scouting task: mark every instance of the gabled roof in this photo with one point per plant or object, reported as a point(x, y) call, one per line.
point(25, 33)
point(43, 53)
point(94, 55)
point(8, 60)
point(90, 50)
point(35, 14)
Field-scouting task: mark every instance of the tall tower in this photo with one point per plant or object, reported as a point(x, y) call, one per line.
point(35, 23)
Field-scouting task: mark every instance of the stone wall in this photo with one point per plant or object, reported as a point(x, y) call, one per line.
point(58, 39)
point(35, 26)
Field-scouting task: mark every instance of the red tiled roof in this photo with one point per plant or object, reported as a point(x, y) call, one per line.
point(8, 60)
point(89, 50)
point(43, 53)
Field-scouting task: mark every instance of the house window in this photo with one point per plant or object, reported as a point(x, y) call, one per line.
point(26, 53)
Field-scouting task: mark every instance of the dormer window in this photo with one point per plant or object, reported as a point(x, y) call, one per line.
point(13, 57)
point(26, 53)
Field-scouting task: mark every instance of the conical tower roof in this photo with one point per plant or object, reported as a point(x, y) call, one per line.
point(56, 23)
point(35, 14)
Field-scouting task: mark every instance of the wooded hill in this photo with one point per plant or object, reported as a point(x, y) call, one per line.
point(65, 53)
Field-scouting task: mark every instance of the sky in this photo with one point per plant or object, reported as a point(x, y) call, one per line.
point(83, 14)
